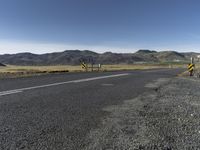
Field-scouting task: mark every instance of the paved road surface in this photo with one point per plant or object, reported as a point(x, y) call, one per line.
point(58, 111)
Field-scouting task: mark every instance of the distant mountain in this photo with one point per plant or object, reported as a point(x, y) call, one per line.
point(191, 54)
point(2, 65)
point(73, 57)
point(170, 56)
point(145, 51)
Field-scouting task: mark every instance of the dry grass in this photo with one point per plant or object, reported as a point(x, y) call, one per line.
point(16, 71)
point(138, 67)
point(21, 71)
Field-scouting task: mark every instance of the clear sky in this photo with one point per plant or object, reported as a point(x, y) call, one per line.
point(41, 26)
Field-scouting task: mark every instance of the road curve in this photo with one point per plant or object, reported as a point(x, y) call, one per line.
point(58, 111)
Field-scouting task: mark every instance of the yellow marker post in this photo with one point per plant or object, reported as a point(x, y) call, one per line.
point(84, 66)
point(191, 68)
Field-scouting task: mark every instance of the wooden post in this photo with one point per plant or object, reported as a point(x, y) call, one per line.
point(192, 60)
point(99, 66)
point(86, 68)
point(92, 66)
point(192, 71)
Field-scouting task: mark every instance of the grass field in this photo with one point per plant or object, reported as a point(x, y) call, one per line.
point(16, 71)
point(37, 69)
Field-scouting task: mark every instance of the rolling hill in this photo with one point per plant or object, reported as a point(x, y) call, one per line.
point(2, 65)
point(73, 57)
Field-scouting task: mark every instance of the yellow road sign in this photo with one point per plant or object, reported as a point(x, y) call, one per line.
point(190, 67)
point(83, 65)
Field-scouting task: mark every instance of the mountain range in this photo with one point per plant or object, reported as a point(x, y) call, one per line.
point(73, 57)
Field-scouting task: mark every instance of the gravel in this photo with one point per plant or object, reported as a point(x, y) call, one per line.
point(167, 117)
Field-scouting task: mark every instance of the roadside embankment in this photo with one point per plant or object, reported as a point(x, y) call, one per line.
point(166, 117)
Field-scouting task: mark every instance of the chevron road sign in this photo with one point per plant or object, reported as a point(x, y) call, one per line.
point(191, 68)
point(83, 65)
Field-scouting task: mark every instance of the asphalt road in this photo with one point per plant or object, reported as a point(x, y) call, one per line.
point(58, 111)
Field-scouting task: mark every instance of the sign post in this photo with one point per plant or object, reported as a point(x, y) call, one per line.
point(84, 66)
point(89, 64)
point(191, 67)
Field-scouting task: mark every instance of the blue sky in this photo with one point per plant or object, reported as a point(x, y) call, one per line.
point(41, 26)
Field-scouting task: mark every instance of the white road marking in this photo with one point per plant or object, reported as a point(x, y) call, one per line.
point(59, 83)
point(9, 92)
point(97, 78)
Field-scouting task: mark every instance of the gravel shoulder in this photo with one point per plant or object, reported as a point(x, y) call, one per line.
point(166, 117)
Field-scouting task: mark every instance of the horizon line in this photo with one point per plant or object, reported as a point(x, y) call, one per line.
point(82, 50)
point(15, 47)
